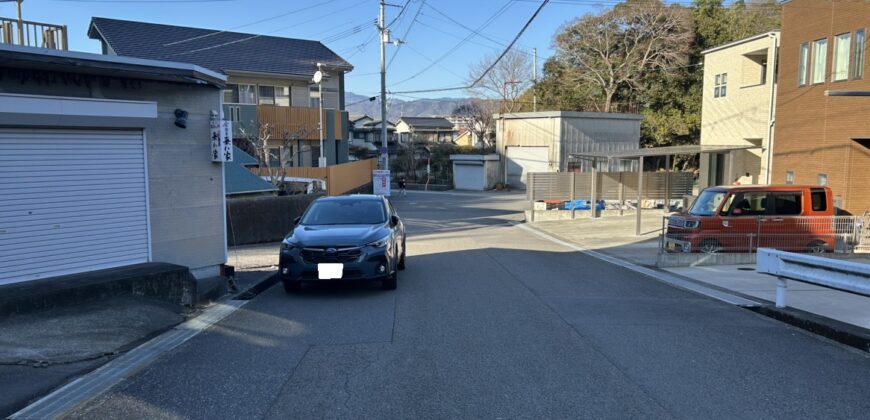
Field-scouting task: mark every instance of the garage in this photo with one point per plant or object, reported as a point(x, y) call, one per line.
point(71, 201)
point(522, 160)
point(467, 176)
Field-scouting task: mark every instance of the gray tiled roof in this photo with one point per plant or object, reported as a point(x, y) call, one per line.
point(427, 122)
point(215, 50)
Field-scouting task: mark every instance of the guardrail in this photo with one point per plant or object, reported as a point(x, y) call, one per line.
point(841, 275)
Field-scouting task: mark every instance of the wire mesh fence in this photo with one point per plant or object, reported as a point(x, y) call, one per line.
point(813, 234)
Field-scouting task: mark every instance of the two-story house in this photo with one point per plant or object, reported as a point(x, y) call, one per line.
point(821, 137)
point(425, 129)
point(738, 109)
point(269, 91)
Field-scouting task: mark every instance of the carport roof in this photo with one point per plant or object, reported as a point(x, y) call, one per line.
point(689, 149)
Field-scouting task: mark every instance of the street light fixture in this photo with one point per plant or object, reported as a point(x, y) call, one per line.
point(318, 78)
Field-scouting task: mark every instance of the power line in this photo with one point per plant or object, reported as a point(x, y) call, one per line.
point(517, 37)
point(143, 1)
point(514, 41)
point(407, 31)
point(239, 26)
point(483, 26)
point(400, 14)
point(248, 38)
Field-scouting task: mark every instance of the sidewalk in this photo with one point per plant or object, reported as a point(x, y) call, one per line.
point(42, 350)
point(614, 236)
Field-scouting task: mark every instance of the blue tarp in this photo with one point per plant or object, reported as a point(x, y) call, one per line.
point(583, 205)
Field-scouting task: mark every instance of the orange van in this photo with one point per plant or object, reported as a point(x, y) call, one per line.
point(745, 218)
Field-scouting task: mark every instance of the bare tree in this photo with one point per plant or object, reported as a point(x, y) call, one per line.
point(614, 50)
point(477, 115)
point(506, 81)
point(263, 141)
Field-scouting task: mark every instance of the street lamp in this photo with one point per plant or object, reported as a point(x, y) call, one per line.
point(318, 78)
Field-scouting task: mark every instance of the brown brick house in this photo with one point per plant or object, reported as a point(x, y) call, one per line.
point(824, 139)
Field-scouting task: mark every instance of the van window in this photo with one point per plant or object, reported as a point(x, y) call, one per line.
point(787, 204)
point(707, 203)
point(820, 202)
point(750, 204)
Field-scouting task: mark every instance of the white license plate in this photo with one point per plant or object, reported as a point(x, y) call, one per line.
point(327, 271)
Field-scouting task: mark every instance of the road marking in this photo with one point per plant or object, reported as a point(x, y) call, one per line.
point(87, 387)
point(662, 277)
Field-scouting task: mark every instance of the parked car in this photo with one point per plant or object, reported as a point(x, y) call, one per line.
point(355, 237)
point(745, 218)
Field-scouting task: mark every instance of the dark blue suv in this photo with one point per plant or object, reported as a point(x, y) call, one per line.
point(354, 237)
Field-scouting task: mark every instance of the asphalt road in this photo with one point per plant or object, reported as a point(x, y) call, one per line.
point(490, 321)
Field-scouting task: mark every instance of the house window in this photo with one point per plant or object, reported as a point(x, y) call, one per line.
point(282, 95)
point(802, 64)
point(275, 157)
point(267, 95)
point(314, 97)
point(231, 94)
point(858, 60)
point(820, 55)
point(720, 88)
point(822, 179)
point(789, 178)
point(247, 94)
point(842, 43)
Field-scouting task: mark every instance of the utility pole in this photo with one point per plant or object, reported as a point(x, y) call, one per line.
point(20, 25)
point(385, 38)
point(534, 79)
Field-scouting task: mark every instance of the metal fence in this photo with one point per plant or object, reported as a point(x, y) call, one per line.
point(611, 186)
point(814, 234)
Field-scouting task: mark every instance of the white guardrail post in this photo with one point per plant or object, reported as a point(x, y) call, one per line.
point(837, 274)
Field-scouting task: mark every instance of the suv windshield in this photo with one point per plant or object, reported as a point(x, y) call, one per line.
point(345, 212)
point(707, 203)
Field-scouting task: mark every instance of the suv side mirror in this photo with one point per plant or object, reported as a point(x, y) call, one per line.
point(296, 220)
point(394, 220)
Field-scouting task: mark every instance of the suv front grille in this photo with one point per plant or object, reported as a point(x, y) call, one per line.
point(331, 254)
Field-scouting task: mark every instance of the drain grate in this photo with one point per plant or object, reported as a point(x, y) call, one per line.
point(745, 268)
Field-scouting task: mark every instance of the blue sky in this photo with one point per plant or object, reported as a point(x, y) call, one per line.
point(347, 27)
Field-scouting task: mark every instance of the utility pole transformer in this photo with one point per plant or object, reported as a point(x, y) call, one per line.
point(385, 38)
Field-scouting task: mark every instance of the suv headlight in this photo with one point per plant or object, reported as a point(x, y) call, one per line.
point(286, 245)
point(380, 243)
point(692, 224)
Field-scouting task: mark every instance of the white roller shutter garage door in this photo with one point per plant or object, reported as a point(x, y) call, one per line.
point(469, 176)
point(522, 160)
point(71, 201)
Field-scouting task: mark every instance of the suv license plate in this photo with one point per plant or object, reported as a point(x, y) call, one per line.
point(327, 271)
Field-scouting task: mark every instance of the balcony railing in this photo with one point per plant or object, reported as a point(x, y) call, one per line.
point(301, 123)
point(33, 34)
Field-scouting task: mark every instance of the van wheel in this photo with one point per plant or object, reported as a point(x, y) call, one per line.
point(710, 246)
point(817, 247)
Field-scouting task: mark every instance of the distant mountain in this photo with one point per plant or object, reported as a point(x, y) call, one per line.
point(398, 108)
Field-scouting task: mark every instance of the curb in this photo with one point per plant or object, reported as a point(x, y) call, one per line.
point(841, 332)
